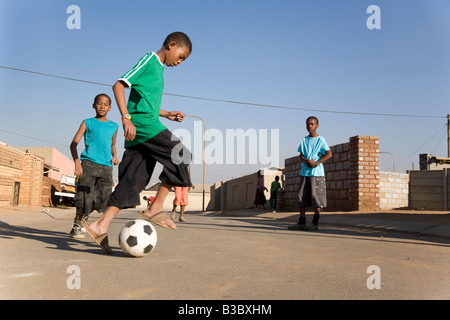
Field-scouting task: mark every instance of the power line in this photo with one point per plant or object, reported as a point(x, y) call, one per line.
point(415, 151)
point(25, 136)
point(238, 102)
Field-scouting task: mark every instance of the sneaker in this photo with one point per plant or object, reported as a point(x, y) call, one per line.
point(182, 219)
point(76, 232)
point(298, 227)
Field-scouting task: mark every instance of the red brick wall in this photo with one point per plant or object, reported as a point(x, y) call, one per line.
point(367, 183)
point(31, 183)
point(353, 177)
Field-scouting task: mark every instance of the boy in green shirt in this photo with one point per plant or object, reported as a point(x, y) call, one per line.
point(274, 187)
point(147, 140)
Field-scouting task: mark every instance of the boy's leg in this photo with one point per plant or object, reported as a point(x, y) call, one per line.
point(316, 216)
point(103, 187)
point(170, 152)
point(315, 220)
point(174, 210)
point(302, 218)
point(182, 219)
point(176, 201)
point(100, 226)
point(134, 174)
point(158, 205)
point(84, 198)
point(319, 200)
point(273, 200)
point(301, 224)
point(303, 201)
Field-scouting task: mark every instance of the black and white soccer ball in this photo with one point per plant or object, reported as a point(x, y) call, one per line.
point(138, 238)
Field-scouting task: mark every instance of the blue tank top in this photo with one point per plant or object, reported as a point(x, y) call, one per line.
point(98, 141)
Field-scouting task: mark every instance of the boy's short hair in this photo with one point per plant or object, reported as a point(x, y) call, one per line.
point(180, 38)
point(101, 95)
point(312, 117)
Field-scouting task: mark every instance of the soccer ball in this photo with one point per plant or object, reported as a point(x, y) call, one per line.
point(138, 238)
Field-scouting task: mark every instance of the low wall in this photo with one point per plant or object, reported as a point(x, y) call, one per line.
point(195, 201)
point(429, 190)
point(394, 188)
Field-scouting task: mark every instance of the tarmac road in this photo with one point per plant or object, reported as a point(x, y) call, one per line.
point(219, 257)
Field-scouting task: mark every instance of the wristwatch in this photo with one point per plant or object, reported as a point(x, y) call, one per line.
point(127, 116)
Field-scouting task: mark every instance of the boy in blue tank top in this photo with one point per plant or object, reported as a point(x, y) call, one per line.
point(94, 167)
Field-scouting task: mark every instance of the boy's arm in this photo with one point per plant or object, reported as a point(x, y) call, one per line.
point(309, 163)
point(328, 155)
point(119, 93)
point(172, 115)
point(114, 160)
point(73, 149)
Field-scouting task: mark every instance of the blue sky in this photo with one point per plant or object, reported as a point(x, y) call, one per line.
point(316, 55)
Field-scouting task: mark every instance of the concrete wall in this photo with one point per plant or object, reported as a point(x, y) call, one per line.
point(240, 193)
point(429, 190)
point(195, 200)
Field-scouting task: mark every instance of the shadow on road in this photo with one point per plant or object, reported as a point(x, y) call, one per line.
point(55, 239)
point(262, 225)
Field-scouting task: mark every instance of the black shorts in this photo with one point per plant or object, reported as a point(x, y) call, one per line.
point(312, 192)
point(94, 188)
point(138, 163)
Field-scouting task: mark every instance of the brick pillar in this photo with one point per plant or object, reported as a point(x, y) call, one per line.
point(364, 173)
point(31, 182)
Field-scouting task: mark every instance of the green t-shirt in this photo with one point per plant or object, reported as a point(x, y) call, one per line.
point(147, 83)
point(275, 186)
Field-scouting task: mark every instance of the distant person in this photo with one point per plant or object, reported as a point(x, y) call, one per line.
point(274, 187)
point(93, 168)
point(147, 140)
point(260, 198)
point(149, 200)
point(314, 151)
point(181, 199)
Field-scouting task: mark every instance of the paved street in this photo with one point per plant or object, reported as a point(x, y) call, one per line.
point(216, 256)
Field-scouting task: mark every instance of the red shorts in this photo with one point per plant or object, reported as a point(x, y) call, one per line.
point(181, 196)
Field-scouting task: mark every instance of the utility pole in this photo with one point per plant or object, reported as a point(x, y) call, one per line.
point(448, 135)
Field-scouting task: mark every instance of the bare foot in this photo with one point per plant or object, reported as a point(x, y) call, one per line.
point(94, 227)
